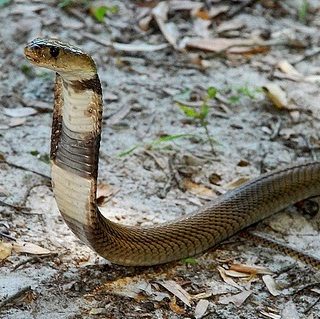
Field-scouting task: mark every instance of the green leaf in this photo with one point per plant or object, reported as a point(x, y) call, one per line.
point(128, 151)
point(212, 92)
point(100, 12)
point(65, 3)
point(34, 153)
point(204, 110)
point(45, 158)
point(169, 138)
point(4, 2)
point(234, 99)
point(190, 261)
point(303, 11)
point(189, 111)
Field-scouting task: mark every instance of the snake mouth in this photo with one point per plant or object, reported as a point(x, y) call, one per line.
point(31, 56)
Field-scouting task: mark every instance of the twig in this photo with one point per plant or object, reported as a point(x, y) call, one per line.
point(306, 56)
point(311, 306)
point(15, 296)
point(26, 169)
point(16, 208)
point(7, 236)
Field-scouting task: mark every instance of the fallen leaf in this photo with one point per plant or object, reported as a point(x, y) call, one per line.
point(5, 250)
point(20, 112)
point(177, 5)
point(287, 68)
point(198, 189)
point(29, 248)
point(174, 307)
point(216, 44)
point(237, 299)
point(230, 25)
point(217, 10)
point(143, 47)
point(129, 287)
point(201, 26)
point(227, 279)
point(169, 30)
point(236, 274)
point(176, 290)
point(104, 191)
point(270, 315)
point(277, 96)
point(252, 270)
point(237, 182)
point(17, 121)
point(271, 285)
point(144, 23)
point(201, 308)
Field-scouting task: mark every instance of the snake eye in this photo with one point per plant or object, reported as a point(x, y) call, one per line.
point(54, 51)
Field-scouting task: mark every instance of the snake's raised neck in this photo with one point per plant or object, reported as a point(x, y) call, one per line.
point(74, 155)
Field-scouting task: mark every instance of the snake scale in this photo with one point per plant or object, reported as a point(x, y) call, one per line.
point(76, 131)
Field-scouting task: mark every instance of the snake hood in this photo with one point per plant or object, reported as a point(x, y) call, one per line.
point(69, 61)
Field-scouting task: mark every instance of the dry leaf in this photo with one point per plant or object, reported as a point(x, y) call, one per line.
point(237, 182)
point(285, 67)
point(270, 315)
point(176, 5)
point(230, 25)
point(252, 270)
point(237, 299)
point(216, 44)
point(176, 290)
point(20, 112)
point(271, 285)
point(104, 191)
point(144, 23)
point(174, 307)
point(17, 121)
point(198, 189)
point(277, 96)
point(201, 308)
point(29, 248)
point(5, 250)
point(217, 10)
point(201, 295)
point(129, 287)
point(236, 274)
point(144, 47)
point(227, 279)
point(200, 27)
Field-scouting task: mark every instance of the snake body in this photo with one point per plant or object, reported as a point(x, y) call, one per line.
point(75, 141)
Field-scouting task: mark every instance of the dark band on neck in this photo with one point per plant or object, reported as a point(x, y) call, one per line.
point(92, 84)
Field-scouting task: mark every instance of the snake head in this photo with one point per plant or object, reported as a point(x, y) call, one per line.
point(67, 60)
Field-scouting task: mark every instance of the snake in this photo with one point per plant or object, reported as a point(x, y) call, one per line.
point(74, 156)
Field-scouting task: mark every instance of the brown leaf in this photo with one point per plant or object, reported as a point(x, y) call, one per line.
point(174, 307)
point(198, 189)
point(227, 279)
point(5, 250)
point(230, 25)
point(104, 191)
point(252, 270)
point(176, 290)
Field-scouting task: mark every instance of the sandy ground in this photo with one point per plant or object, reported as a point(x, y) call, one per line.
point(252, 136)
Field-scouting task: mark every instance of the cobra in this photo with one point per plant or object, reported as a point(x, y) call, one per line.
point(76, 131)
